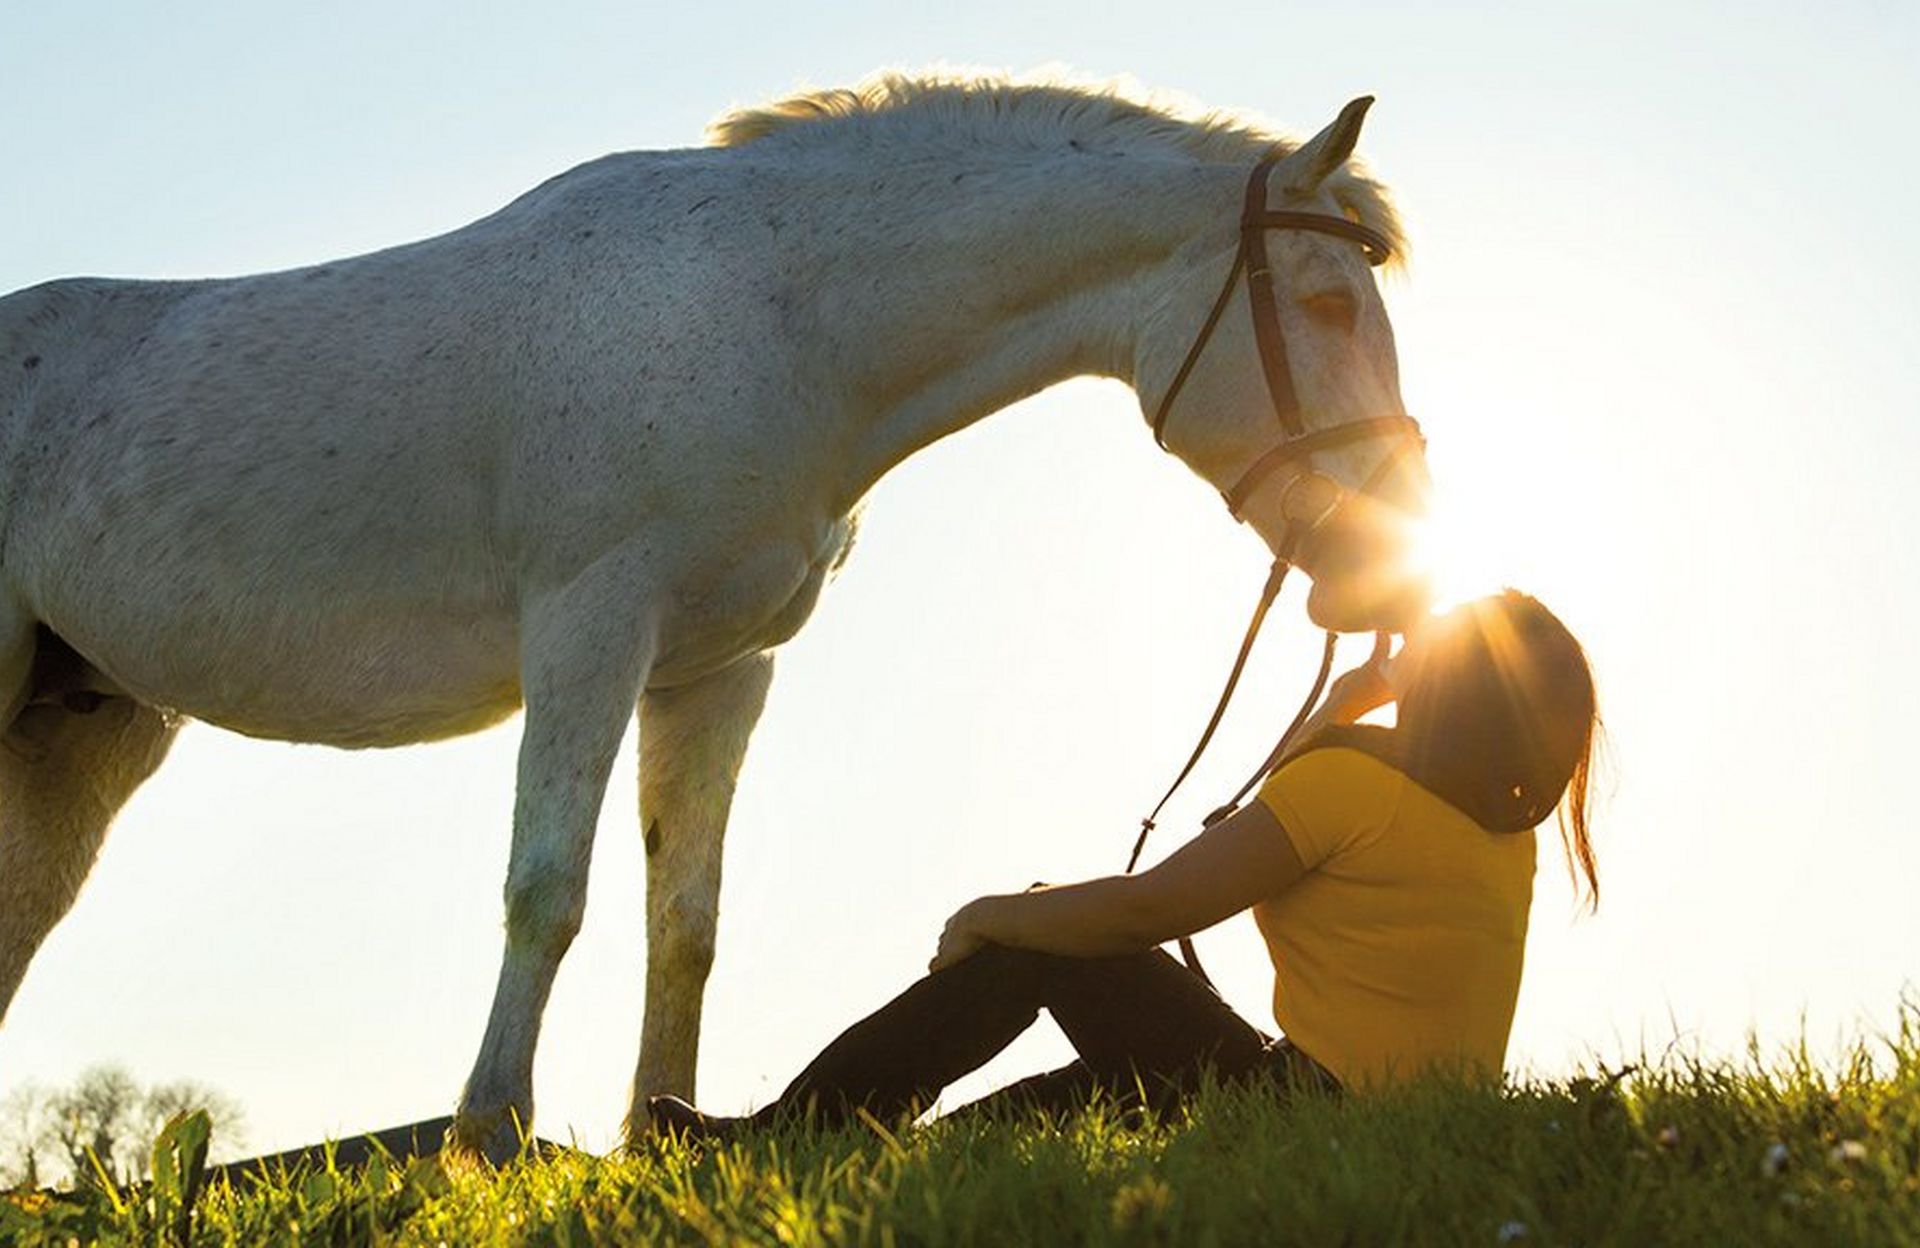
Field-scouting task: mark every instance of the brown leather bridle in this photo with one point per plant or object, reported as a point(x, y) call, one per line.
point(1250, 257)
point(1296, 444)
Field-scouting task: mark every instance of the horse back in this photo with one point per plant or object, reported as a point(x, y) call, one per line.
point(563, 369)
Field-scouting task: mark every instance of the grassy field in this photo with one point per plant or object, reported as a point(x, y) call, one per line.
point(1754, 1152)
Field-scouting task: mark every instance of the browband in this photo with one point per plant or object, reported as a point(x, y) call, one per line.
point(1379, 248)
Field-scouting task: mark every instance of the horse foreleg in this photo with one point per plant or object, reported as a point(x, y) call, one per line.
point(692, 742)
point(584, 661)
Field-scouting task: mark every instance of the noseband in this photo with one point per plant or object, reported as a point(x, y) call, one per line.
point(1297, 441)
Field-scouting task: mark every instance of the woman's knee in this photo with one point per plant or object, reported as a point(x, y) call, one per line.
point(992, 959)
point(1010, 960)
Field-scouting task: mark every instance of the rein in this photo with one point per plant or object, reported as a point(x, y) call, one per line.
point(1297, 443)
point(1268, 593)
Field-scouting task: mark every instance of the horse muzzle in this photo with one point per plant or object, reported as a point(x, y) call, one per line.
point(1365, 577)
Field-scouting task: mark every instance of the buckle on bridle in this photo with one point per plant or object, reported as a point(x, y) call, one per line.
point(1340, 496)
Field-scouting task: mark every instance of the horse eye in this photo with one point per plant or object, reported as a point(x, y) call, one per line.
point(1337, 310)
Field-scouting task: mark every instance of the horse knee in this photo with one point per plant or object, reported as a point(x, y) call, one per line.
point(682, 939)
point(545, 906)
point(691, 953)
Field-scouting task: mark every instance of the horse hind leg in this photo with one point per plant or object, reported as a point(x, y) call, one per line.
point(64, 774)
point(38, 669)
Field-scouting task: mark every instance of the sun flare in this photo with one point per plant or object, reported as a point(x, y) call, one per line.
point(1454, 559)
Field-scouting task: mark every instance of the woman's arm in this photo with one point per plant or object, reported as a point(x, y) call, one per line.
point(1245, 858)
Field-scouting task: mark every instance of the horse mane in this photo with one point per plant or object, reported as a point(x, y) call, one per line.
point(1039, 111)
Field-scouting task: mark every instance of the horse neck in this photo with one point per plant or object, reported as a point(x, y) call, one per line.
point(971, 283)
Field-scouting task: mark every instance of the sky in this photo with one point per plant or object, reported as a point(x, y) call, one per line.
point(1660, 326)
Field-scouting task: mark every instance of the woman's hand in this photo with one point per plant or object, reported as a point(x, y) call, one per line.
point(1363, 689)
point(961, 937)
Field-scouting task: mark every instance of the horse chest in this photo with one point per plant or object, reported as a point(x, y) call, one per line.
point(746, 604)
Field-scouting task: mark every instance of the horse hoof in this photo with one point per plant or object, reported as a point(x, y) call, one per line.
point(494, 1138)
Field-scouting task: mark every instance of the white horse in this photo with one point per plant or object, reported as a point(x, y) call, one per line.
point(600, 450)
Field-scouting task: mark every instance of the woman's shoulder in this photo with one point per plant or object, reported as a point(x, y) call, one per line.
point(1360, 747)
point(1370, 755)
point(1340, 775)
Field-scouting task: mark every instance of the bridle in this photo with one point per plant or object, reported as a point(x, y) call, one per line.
point(1296, 444)
point(1250, 257)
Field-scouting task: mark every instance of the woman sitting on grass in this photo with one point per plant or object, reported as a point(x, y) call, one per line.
point(1390, 871)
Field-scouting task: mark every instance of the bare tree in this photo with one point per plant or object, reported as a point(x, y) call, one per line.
point(99, 1114)
point(164, 1100)
point(24, 1118)
point(104, 1114)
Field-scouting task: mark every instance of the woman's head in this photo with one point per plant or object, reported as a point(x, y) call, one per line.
point(1497, 694)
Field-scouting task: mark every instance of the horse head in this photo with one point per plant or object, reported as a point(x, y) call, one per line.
point(1294, 412)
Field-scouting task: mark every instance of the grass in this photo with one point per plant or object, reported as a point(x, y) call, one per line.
point(1756, 1151)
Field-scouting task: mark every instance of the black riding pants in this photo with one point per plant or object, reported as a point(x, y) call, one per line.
point(1141, 1023)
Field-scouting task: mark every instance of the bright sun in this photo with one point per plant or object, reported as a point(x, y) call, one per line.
point(1453, 556)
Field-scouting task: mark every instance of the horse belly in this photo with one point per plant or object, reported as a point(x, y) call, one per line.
point(435, 686)
point(348, 677)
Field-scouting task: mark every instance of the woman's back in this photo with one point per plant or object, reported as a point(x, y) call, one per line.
point(1401, 948)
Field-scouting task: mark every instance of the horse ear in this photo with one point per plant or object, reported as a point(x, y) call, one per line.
point(1302, 172)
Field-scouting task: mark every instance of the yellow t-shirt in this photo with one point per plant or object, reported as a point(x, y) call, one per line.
point(1400, 949)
